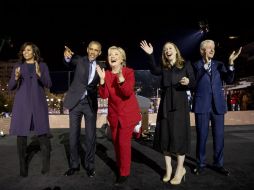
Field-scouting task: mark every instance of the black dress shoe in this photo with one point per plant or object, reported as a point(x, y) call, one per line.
point(56, 188)
point(221, 170)
point(24, 174)
point(44, 172)
point(198, 170)
point(47, 188)
point(71, 171)
point(91, 173)
point(121, 180)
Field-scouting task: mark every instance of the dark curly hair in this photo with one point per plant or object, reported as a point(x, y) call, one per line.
point(35, 49)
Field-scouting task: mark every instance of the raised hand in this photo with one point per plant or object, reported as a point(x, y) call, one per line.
point(37, 69)
point(148, 48)
point(68, 53)
point(17, 73)
point(206, 57)
point(234, 55)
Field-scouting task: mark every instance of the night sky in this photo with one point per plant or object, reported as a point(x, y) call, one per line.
point(51, 26)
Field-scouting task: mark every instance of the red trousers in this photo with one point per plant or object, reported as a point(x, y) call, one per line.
point(121, 137)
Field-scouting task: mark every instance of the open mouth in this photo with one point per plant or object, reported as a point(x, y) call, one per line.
point(169, 54)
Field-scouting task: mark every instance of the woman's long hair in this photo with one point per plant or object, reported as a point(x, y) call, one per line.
point(36, 52)
point(179, 59)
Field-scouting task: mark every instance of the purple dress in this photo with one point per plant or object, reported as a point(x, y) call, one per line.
point(30, 101)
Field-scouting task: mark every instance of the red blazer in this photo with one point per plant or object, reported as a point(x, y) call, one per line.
point(122, 103)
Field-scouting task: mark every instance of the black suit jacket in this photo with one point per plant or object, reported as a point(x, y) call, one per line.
point(79, 83)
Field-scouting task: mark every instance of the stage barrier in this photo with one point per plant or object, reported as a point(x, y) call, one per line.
point(232, 118)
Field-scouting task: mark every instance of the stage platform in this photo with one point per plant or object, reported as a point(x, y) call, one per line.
point(146, 170)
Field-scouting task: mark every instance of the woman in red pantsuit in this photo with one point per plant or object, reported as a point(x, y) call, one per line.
point(117, 84)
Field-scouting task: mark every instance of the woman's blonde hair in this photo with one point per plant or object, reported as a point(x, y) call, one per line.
point(121, 51)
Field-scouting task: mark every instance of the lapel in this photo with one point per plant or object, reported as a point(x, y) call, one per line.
point(85, 65)
point(213, 68)
point(201, 64)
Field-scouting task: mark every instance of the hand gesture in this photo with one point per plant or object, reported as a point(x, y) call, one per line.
point(148, 48)
point(37, 69)
point(17, 73)
point(206, 58)
point(101, 73)
point(233, 56)
point(184, 81)
point(120, 75)
point(68, 53)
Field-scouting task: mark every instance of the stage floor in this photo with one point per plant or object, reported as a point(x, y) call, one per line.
point(146, 170)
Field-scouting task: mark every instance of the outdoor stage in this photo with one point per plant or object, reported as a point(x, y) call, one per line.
point(231, 118)
point(147, 167)
point(146, 170)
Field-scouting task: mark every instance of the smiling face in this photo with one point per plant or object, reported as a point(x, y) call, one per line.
point(169, 51)
point(93, 50)
point(116, 57)
point(28, 53)
point(207, 49)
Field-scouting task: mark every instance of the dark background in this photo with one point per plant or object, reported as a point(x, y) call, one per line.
point(53, 25)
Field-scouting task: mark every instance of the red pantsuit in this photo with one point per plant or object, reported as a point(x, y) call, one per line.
point(121, 137)
point(123, 115)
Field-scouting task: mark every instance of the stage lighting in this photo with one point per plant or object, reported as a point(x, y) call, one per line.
point(203, 25)
point(2, 133)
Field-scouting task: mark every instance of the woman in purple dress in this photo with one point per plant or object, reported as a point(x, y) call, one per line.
point(30, 111)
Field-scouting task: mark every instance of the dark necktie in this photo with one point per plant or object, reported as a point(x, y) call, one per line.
point(90, 70)
point(89, 76)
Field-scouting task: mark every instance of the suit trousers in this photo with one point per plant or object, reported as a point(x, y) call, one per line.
point(202, 128)
point(82, 109)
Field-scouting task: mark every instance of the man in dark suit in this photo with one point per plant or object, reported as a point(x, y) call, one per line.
point(210, 104)
point(81, 100)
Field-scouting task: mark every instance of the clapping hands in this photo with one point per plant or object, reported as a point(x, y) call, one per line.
point(101, 73)
point(17, 73)
point(37, 69)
